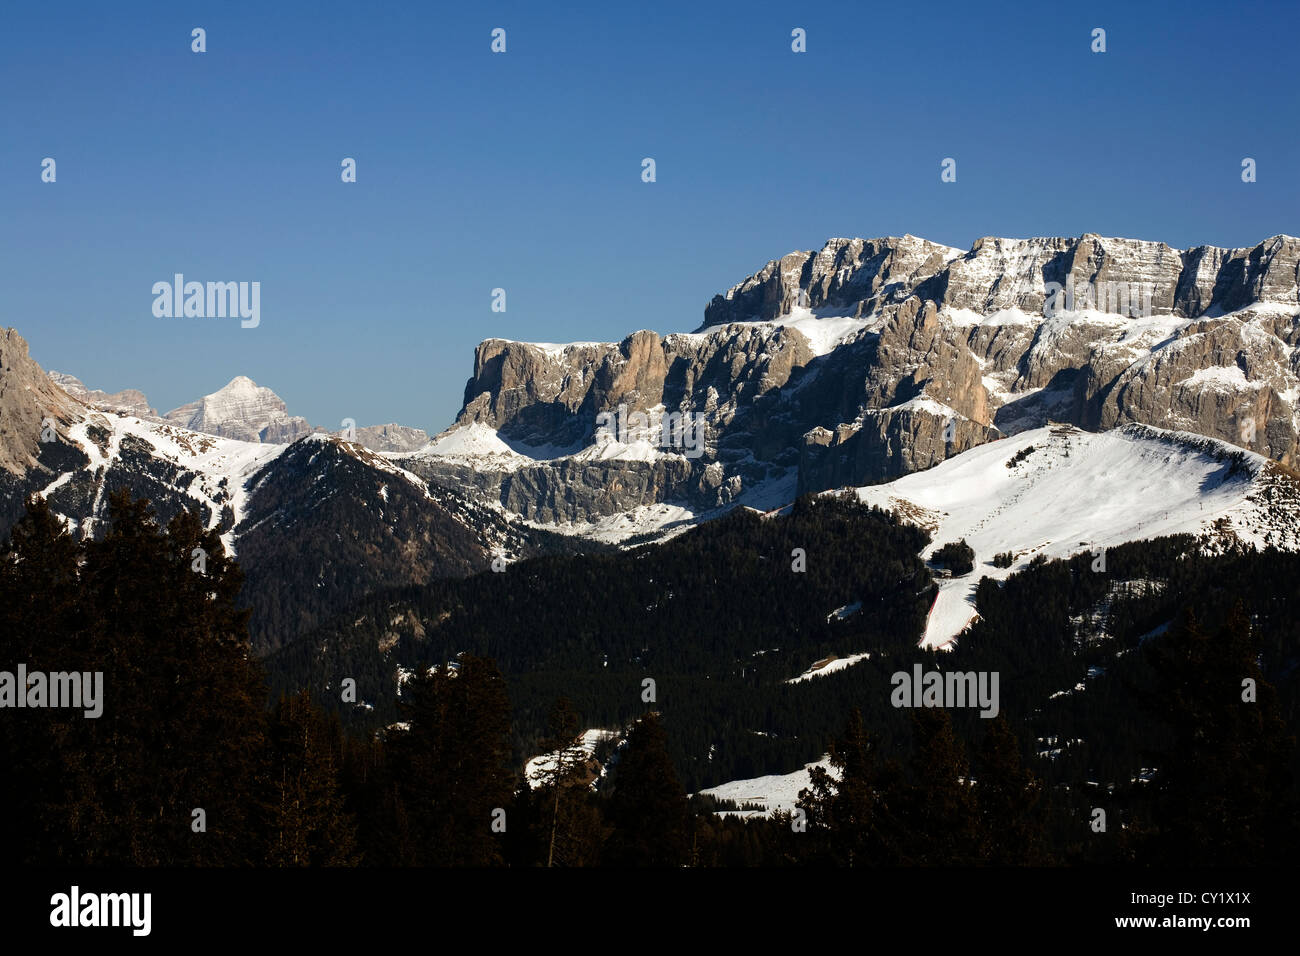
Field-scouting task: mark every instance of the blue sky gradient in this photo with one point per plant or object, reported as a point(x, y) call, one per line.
point(523, 170)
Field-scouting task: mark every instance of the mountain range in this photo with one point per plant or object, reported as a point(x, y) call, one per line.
point(316, 523)
point(241, 409)
point(855, 366)
point(871, 359)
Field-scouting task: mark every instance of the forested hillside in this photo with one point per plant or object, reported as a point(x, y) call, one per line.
point(1122, 691)
point(719, 618)
point(720, 621)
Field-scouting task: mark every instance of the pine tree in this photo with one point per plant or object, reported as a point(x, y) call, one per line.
point(847, 811)
point(306, 822)
point(1008, 799)
point(41, 627)
point(527, 835)
point(575, 830)
point(940, 811)
point(183, 722)
point(1223, 792)
point(365, 783)
point(39, 566)
point(562, 729)
point(647, 810)
point(449, 768)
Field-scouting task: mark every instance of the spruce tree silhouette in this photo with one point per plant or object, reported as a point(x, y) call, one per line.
point(648, 807)
point(1224, 793)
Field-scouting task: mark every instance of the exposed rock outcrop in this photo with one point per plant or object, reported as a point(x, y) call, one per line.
point(130, 401)
point(871, 358)
point(32, 408)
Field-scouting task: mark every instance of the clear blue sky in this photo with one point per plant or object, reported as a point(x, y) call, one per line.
point(523, 170)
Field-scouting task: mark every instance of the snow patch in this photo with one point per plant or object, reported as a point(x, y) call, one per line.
point(539, 768)
point(774, 792)
point(828, 666)
point(1075, 492)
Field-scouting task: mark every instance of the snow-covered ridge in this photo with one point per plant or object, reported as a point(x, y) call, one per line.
point(824, 329)
point(476, 441)
point(217, 469)
point(1075, 491)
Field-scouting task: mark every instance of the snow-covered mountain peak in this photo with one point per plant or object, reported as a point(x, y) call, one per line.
point(241, 409)
point(242, 390)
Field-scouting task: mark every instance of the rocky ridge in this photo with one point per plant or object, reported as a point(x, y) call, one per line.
point(242, 410)
point(315, 523)
point(869, 359)
point(130, 401)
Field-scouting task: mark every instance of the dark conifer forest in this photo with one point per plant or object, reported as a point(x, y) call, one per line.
point(1161, 690)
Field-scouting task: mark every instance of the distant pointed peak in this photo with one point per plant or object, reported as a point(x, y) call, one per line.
point(243, 388)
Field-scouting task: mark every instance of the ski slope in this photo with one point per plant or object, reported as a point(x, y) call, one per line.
point(1075, 491)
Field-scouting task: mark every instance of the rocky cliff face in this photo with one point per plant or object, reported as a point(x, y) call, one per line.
point(33, 410)
point(389, 437)
point(129, 401)
point(861, 277)
point(872, 358)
